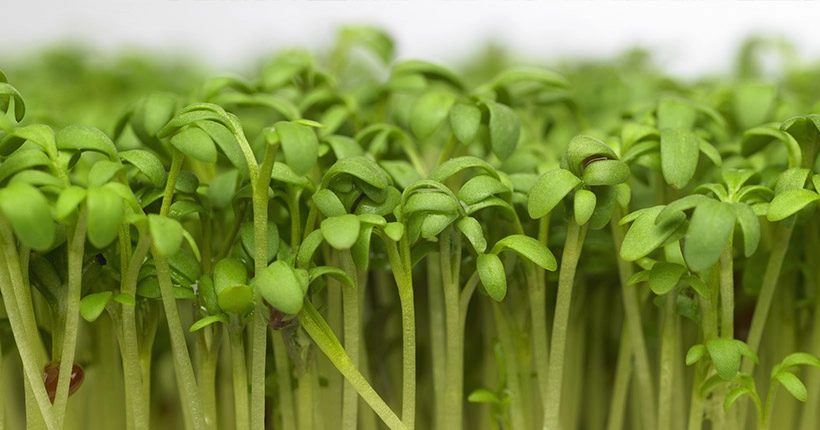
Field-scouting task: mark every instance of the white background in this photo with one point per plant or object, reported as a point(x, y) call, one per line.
point(688, 38)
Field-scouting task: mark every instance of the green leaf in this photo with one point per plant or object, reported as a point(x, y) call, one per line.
point(663, 277)
point(246, 232)
point(453, 166)
point(181, 208)
point(638, 277)
point(799, 359)
point(757, 138)
point(529, 248)
point(504, 128)
point(341, 232)
point(29, 213)
point(752, 102)
point(429, 112)
point(428, 70)
point(483, 395)
point(726, 355)
point(222, 188)
point(734, 394)
point(299, 144)
point(328, 203)
point(125, 299)
point(7, 93)
point(92, 305)
point(492, 275)
point(472, 229)
point(749, 225)
point(195, 143)
point(549, 190)
point(334, 272)
point(102, 171)
point(584, 205)
point(709, 232)
point(695, 353)
point(237, 299)
point(85, 138)
point(280, 286)
point(644, 236)
point(430, 201)
point(529, 75)
point(793, 385)
point(21, 160)
point(359, 167)
point(465, 121)
point(229, 272)
point(480, 187)
point(675, 113)
point(154, 111)
point(605, 172)
point(394, 230)
point(697, 284)
point(790, 202)
point(39, 134)
point(679, 155)
point(227, 143)
point(791, 179)
point(308, 247)
point(148, 164)
point(206, 321)
point(166, 233)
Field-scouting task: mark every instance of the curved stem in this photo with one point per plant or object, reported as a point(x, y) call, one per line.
point(240, 376)
point(317, 328)
point(191, 401)
point(76, 247)
point(403, 274)
point(350, 305)
point(566, 278)
point(667, 360)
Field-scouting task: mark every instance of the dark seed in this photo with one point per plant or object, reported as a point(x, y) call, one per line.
point(51, 373)
point(591, 159)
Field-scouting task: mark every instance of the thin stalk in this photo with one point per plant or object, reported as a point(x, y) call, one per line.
point(240, 376)
point(209, 356)
point(281, 361)
point(667, 360)
point(620, 389)
point(727, 293)
point(454, 347)
point(435, 297)
point(506, 338)
point(260, 183)
point(809, 419)
point(537, 293)
point(350, 305)
point(696, 399)
point(25, 337)
point(191, 401)
point(76, 247)
point(306, 399)
point(317, 328)
point(403, 274)
point(566, 278)
point(632, 322)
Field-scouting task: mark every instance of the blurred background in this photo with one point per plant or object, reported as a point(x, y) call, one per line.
point(686, 38)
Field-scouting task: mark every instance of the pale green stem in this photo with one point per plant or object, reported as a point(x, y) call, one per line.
point(454, 348)
point(280, 357)
point(667, 360)
point(537, 293)
point(76, 246)
point(208, 356)
point(620, 390)
point(240, 376)
point(727, 293)
point(506, 338)
point(306, 399)
point(435, 297)
point(26, 338)
point(317, 328)
point(566, 278)
point(403, 274)
point(350, 304)
point(632, 315)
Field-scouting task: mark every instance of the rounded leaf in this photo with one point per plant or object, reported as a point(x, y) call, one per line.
point(472, 230)
point(85, 138)
point(505, 128)
point(584, 206)
point(341, 232)
point(793, 385)
point(92, 305)
point(605, 172)
point(195, 143)
point(229, 272)
point(28, 211)
point(492, 275)
point(708, 234)
point(237, 299)
point(679, 155)
point(299, 144)
point(644, 235)
point(549, 190)
point(246, 232)
point(280, 287)
point(529, 248)
point(429, 112)
point(790, 202)
point(148, 164)
point(166, 233)
point(465, 121)
point(663, 277)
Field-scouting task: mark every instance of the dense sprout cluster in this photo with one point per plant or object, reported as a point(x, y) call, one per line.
point(354, 241)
